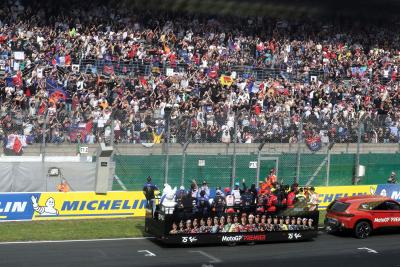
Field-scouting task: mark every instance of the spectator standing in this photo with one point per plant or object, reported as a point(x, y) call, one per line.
point(392, 178)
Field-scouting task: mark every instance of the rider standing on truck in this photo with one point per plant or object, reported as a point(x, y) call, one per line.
point(148, 190)
point(291, 199)
point(313, 199)
point(219, 204)
point(236, 192)
point(272, 178)
point(202, 204)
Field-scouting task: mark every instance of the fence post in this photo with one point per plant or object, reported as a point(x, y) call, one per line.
point(299, 140)
point(328, 166)
point(183, 167)
point(357, 171)
point(112, 135)
point(43, 151)
point(167, 111)
point(260, 147)
point(258, 167)
point(184, 148)
point(184, 162)
point(233, 177)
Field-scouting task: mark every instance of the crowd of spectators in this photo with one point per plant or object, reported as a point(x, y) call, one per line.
point(90, 73)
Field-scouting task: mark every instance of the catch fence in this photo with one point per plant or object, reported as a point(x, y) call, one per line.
point(312, 153)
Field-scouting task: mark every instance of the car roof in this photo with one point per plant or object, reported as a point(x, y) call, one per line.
point(364, 198)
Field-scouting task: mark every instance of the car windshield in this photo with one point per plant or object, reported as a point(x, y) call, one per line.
point(338, 206)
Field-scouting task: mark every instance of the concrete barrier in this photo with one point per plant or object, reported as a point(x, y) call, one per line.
point(210, 149)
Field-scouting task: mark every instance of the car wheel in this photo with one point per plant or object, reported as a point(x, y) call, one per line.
point(362, 230)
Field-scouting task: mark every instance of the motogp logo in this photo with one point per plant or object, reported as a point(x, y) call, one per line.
point(232, 238)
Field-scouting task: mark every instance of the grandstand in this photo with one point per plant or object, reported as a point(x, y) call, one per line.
point(131, 72)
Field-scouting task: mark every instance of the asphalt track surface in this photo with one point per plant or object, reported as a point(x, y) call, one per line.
point(326, 250)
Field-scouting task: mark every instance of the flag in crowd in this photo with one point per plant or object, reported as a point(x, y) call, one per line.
point(314, 143)
point(16, 143)
point(14, 81)
point(62, 61)
point(358, 71)
point(56, 91)
point(226, 80)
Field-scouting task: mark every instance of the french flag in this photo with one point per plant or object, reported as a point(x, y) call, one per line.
point(14, 81)
point(62, 61)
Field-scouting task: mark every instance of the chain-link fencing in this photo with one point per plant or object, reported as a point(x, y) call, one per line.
point(314, 160)
point(310, 152)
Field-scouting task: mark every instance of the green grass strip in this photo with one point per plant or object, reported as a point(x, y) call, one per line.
point(71, 229)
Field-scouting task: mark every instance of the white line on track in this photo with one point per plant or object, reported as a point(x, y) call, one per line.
point(205, 254)
point(73, 241)
point(369, 250)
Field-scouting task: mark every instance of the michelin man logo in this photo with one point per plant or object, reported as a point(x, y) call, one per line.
point(383, 193)
point(48, 209)
point(168, 196)
point(372, 190)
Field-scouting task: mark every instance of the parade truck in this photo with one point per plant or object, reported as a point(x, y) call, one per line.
point(174, 226)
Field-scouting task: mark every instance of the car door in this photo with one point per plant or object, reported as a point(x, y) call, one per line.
point(381, 214)
point(394, 207)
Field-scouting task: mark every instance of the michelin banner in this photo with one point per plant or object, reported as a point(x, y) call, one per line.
point(72, 205)
point(115, 204)
point(327, 194)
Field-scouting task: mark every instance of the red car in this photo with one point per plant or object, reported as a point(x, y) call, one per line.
point(362, 214)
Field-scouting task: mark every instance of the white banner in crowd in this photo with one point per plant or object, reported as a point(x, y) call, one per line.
point(19, 55)
point(40, 73)
point(75, 67)
point(16, 66)
point(169, 72)
point(2, 64)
